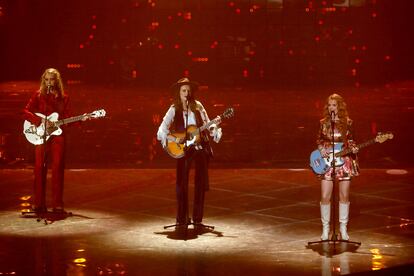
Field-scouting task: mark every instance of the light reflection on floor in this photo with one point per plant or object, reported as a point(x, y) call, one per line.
point(263, 221)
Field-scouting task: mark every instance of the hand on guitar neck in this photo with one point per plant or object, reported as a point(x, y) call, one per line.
point(86, 116)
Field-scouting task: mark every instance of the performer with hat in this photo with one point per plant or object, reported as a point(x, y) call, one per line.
point(186, 111)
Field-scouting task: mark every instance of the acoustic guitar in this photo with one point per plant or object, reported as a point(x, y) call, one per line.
point(176, 150)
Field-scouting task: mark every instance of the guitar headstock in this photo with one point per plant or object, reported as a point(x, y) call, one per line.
point(382, 137)
point(228, 113)
point(98, 113)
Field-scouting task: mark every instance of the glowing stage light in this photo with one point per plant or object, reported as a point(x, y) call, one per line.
point(396, 172)
point(353, 72)
point(25, 197)
point(79, 260)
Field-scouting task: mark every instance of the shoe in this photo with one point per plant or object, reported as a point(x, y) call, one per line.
point(325, 218)
point(59, 210)
point(38, 209)
point(343, 220)
point(199, 227)
point(181, 229)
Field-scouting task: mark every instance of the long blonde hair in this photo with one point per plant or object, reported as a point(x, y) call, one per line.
point(59, 83)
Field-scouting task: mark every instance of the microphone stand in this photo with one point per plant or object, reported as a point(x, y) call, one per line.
point(185, 176)
point(44, 168)
point(43, 210)
point(334, 238)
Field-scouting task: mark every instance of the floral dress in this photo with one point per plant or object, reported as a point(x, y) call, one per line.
point(350, 167)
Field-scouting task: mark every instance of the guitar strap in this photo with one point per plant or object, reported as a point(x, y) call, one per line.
point(205, 141)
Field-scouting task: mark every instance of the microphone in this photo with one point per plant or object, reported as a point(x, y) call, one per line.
point(48, 89)
point(332, 115)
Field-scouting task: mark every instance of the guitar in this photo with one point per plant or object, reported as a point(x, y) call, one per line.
point(34, 134)
point(321, 165)
point(176, 150)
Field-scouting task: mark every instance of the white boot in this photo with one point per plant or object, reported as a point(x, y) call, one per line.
point(343, 219)
point(325, 218)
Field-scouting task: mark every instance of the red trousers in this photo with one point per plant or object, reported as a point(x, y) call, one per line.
point(55, 147)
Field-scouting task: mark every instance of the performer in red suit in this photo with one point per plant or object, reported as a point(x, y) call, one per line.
point(48, 99)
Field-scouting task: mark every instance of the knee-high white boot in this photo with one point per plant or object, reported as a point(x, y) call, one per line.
point(326, 219)
point(343, 219)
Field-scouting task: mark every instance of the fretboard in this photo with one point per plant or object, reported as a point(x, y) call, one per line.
point(360, 146)
point(202, 128)
point(69, 120)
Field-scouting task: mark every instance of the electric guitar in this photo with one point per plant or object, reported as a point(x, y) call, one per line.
point(35, 134)
point(320, 164)
point(176, 150)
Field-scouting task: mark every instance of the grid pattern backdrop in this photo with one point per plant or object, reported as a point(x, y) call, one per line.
point(153, 42)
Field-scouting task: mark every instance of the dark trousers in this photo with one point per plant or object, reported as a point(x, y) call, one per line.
point(55, 151)
point(200, 159)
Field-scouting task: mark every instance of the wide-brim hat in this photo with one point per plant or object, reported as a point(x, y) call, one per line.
point(194, 85)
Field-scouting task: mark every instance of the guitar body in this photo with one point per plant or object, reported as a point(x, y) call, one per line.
point(34, 134)
point(321, 165)
point(176, 150)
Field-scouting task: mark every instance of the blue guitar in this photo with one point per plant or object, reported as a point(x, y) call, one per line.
point(321, 165)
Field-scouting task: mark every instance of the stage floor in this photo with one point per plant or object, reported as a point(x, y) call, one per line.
point(263, 220)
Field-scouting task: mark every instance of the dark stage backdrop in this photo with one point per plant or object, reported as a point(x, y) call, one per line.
point(241, 42)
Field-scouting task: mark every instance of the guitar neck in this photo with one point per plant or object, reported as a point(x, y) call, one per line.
point(360, 146)
point(69, 120)
point(215, 121)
